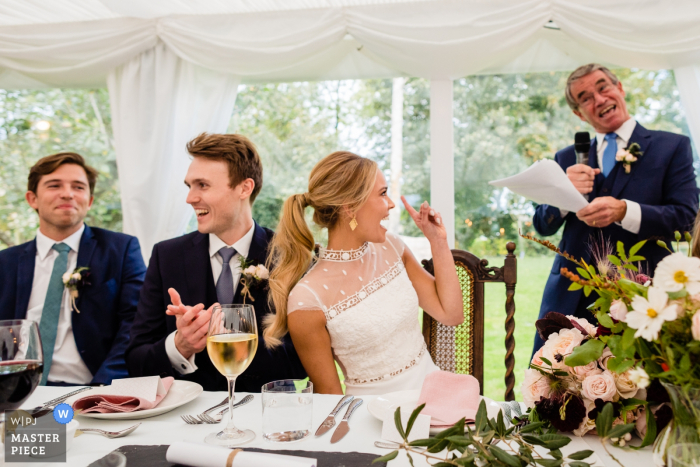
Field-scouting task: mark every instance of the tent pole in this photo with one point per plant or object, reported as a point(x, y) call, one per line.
point(442, 184)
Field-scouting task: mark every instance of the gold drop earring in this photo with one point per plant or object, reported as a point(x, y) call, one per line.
point(353, 223)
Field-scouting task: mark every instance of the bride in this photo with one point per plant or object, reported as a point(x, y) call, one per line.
point(359, 302)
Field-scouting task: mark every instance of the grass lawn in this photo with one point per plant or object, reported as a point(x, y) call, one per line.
point(532, 276)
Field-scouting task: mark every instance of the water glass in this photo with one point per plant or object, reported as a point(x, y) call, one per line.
point(683, 455)
point(287, 409)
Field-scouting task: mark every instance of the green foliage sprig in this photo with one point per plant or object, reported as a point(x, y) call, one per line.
point(482, 445)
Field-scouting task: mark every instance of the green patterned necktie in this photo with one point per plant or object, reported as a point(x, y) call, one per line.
point(52, 307)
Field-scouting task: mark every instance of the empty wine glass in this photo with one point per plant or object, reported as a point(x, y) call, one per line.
point(231, 343)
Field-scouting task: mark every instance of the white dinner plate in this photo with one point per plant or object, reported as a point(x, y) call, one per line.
point(180, 393)
point(385, 406)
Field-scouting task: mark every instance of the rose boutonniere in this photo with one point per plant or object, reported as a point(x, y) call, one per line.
point(251, 275)
point(74, 281)
point(629, 156)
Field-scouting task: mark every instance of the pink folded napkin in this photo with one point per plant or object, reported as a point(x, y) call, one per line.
point(449, 397)
point(110, 403)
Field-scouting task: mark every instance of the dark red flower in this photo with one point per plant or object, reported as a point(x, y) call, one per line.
point(574, 413)
point(551, 323)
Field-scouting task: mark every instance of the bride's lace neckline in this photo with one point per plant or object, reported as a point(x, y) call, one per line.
point(342, 255)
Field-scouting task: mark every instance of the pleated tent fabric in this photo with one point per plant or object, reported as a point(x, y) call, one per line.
point(85, 43)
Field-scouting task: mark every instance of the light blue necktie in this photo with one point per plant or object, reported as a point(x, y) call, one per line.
point(52, 307)
point(609, 153)
point(224, 286)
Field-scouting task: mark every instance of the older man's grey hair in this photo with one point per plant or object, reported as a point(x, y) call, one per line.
point(582, 71)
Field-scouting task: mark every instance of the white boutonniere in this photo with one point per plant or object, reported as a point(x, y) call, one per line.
point(251, 275)
point(75, 280)
point(629, 156)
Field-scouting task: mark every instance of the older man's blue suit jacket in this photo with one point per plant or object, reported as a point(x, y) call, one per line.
point(107, 305)
point(662, 181)
point(183, 263)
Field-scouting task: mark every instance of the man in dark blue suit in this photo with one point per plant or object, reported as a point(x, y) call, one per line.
point(650, 199)
point(202, 268)
point(84, 341)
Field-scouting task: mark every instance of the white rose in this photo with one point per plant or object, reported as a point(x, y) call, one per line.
point(600, 386)
point(249, 271)
point(587, 424)
point(66, 277)
point(630, 158)
point(639, 377)
point(76, 276)
point(261, 272)
point(618, 310)
point(583, 322)
point(561, 343)
point(535, 385)
point(625, 386)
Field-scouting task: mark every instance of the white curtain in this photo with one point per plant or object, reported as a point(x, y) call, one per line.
point(434, 39)
point(688, 82)
point(159, 102)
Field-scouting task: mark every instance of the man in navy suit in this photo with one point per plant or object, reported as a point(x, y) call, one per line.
point(202, 268)
point(84, 341)
point(657, 196)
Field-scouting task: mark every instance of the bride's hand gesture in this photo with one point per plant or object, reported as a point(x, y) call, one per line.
point(427, 220)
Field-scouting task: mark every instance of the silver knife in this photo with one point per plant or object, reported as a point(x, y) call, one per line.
point(343, 427)
point(329, 422)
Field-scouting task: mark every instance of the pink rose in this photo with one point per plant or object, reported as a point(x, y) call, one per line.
point(535, 385)
point(582, 371)
point(695, 328)
point(603, 359)
point(625, 386)
point(561, 343)
point(640, 425)
point(600, 386)
point(618, 310)
point(587, 424)
point(583, 322)
point(537, 358)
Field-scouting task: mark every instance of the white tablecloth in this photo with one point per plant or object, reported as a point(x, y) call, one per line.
point(364, 430)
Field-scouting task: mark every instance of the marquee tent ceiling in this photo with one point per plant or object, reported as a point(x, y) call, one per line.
point(77, 42)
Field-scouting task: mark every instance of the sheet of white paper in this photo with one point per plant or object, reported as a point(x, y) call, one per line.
point(544, 182)
point(420, 429)
point(147, 387)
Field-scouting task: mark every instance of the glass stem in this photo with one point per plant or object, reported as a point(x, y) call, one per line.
point(230, 427)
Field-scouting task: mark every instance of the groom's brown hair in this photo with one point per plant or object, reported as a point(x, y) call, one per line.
point(237, 151)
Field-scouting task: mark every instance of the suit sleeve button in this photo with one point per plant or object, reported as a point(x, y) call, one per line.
point(184, 367)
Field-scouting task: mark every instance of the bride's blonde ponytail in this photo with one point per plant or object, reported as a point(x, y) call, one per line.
point(339, 179)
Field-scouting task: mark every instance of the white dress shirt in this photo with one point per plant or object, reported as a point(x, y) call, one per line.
point(633, 217)
point(66, 365)
point(186, 365)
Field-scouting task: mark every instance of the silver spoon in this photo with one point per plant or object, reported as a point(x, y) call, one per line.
point(111, 434)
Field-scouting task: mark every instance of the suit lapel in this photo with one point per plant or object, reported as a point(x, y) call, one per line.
point(85, 251)
point(25, 277)
point(640, 135)
point(198, 270)
point(257, 254)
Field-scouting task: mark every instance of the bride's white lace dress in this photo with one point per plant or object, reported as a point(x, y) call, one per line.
point(371, 311)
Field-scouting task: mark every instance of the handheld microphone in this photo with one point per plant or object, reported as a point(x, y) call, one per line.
point(582, 144)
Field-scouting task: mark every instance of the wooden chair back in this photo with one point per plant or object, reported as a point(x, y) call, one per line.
point(460, 349)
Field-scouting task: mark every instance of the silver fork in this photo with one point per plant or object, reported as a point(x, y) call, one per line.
point(217, 417)
point(111, 434)
point(48, 406)
point(194, 419)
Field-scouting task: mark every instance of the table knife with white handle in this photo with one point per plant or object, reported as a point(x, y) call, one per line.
point(329, 422)
point(344, 427)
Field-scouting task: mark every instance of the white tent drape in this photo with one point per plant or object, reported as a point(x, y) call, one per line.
point(80, 42)
point(159, 102)
point(688, 82)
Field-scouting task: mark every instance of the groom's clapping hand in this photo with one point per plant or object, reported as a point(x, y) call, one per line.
point(427, 220)
point(192, 325)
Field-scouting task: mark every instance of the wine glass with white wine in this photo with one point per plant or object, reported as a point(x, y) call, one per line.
point(231, 343)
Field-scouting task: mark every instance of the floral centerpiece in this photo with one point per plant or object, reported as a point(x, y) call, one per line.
point(647, 340)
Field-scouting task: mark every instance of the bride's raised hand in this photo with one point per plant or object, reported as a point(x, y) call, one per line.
point(427, 220)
